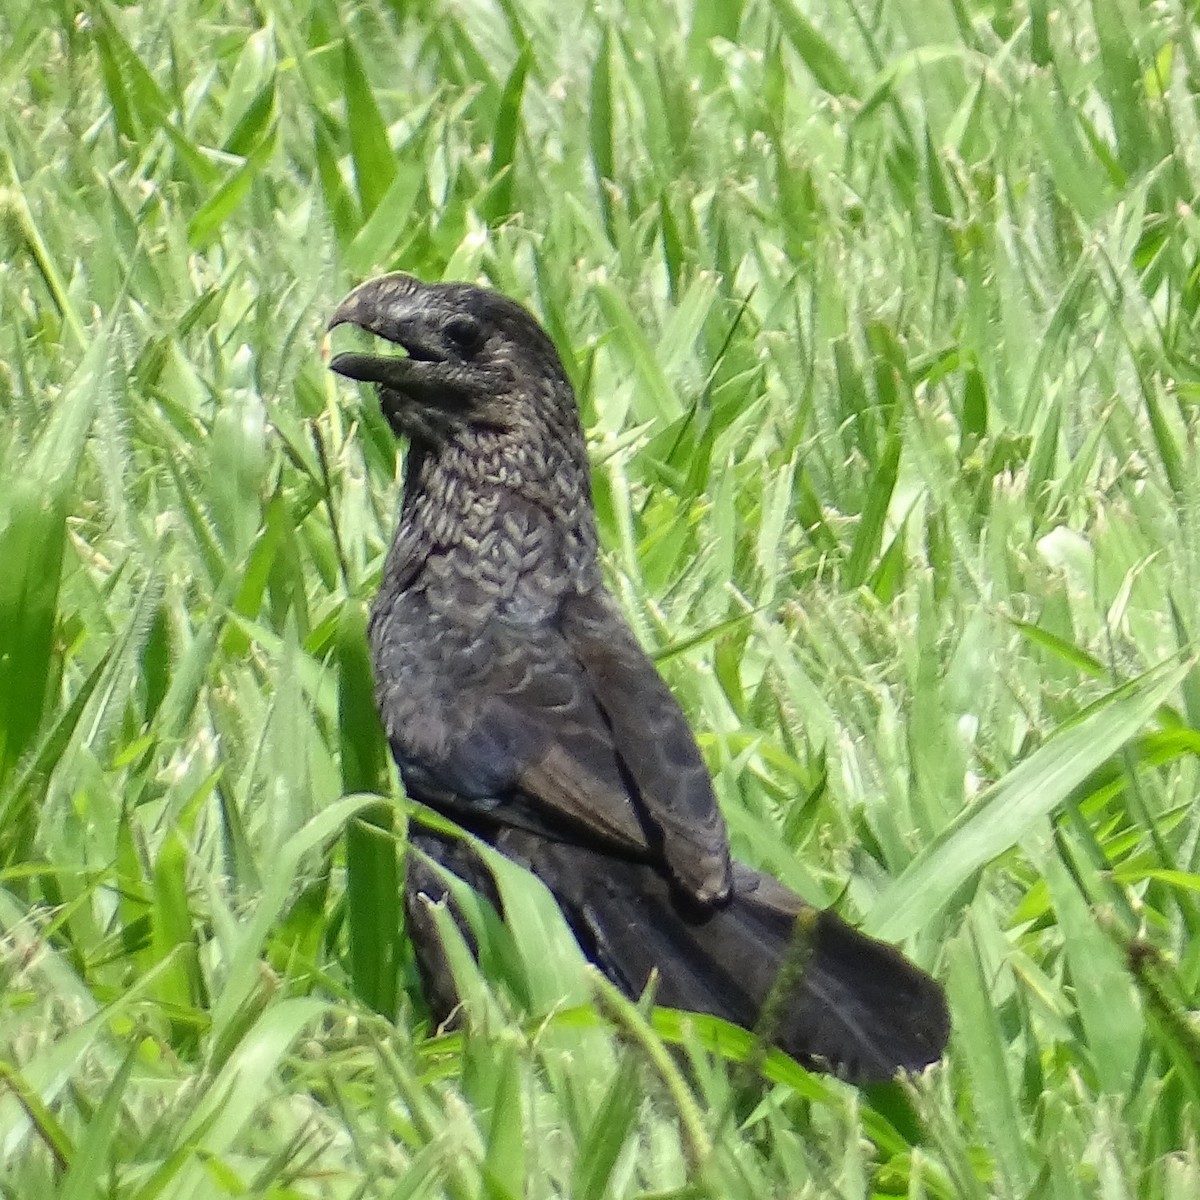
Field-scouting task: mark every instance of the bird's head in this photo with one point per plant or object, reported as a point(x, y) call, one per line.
point(474, 359)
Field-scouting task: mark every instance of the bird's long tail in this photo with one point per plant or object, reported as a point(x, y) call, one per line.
point(811, 984)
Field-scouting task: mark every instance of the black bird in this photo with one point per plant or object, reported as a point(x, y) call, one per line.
point(518, 702)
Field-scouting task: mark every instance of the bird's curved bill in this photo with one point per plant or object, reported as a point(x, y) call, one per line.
point(387, 370)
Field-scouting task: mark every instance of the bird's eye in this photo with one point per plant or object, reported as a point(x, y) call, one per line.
point(465, 333)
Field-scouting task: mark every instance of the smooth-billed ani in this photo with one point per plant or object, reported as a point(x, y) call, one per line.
point(518, 702)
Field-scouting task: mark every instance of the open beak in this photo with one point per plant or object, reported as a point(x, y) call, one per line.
point(385, 306)
point(397, 309)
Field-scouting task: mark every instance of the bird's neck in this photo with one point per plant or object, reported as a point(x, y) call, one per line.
point(499, 504)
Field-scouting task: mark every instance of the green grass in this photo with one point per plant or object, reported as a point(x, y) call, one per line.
point(883, 318)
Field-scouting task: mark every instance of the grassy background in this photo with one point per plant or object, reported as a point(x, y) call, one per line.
point(883, 320)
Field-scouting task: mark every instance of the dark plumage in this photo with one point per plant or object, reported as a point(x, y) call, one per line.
point(517, 701)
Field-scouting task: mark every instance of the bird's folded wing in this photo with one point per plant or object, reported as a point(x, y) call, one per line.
point(655, 744)
point(560, 723)
point(585, 732)
point(534, 709)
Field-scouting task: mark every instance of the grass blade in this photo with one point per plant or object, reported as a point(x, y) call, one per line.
point(1008, 810)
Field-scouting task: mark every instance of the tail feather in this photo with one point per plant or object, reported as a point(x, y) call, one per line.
point(836, 998)
point(810, 983)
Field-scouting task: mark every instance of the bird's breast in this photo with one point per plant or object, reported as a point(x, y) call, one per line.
point(499, 541)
